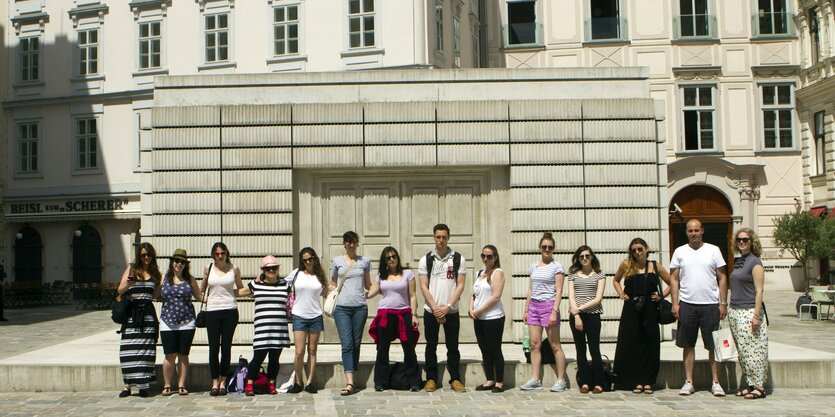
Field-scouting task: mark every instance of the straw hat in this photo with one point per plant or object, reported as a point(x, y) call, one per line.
point(268, 261)
point(180, 254)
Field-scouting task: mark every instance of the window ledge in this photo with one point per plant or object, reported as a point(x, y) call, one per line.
point(362, 52)
point(694, 39)
point(771, 38)
point(525, 46)
point(86, 171)
point(278, 59)
point(28, 175)
point(85, 78)
point(149, 72)
point(685, 154)
point(780, 151)
point(217, 65)
point(817, 180)
point(28, 84)
point(607, 42)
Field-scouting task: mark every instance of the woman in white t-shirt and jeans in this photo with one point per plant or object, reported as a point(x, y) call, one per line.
point(487, 313)
point(309, 285)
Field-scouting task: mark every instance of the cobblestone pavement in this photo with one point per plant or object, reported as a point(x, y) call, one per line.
point(786, 402)
point(35, 328)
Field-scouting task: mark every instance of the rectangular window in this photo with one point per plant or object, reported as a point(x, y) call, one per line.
point(475, 47)
point(698, 113)
point(521, 22)
point(361, 23)
point(217, 37)
point(456, 35)
point(86, 138)
point(814, 37)
point(820, 150)
point(694, 18)
point(439, 27)
point(777, 116)
point(605, 20)
point(286, 30)
point(772, 17)
point(88, 52)
point(27, 142)
point(150, 45)
point(29, 54)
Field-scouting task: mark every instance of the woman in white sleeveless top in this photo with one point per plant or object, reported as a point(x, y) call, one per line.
point(487, 313)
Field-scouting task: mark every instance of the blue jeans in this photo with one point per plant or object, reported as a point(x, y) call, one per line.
point(350, 323)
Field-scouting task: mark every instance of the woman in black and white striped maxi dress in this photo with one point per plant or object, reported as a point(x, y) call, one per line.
point(271, 321)
point(138, 347)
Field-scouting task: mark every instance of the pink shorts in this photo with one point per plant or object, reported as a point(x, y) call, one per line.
point(539, 312)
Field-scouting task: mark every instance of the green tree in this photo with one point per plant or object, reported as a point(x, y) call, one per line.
point(805, 237)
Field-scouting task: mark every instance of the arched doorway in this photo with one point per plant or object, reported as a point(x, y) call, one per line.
point(710, 207)
point(86, 256)
point(28, 256)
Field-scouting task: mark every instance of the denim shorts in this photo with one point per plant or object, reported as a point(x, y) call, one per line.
point(314, 325)
point(539, 312)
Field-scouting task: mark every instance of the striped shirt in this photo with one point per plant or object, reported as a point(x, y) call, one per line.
point(585, 289)
point(271, 324)
point(543, 285)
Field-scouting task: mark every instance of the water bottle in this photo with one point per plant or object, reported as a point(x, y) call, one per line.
point(526, 340)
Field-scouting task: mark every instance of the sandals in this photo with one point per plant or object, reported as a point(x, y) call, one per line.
point(348, 391)
point(182, 391)
point(584, 389)
point(214, 392)
point(755, 393)
point(597, 389)
point(638, 390)
point(166, 391)
point(743, 391)
point(648, 389)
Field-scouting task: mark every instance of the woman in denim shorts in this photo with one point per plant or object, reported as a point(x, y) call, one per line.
point(309, 285)
point(542, 312)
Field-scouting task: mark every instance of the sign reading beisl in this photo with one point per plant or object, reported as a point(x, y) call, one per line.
point(67, 207)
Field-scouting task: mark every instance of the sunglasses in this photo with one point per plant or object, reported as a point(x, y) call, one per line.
point(310, 259)
point(144, 255)
point(585, 256)
point(637, 250)
point(743, 239)
point(270, 268)
point(391, 258)
point(487, 257)
point(546, 247)
point(178, 261)
point(220, 253)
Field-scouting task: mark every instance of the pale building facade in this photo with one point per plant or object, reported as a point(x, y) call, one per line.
point(726, 73)
point(816, 107)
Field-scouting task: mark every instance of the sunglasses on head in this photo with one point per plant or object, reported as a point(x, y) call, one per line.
point(487, 257)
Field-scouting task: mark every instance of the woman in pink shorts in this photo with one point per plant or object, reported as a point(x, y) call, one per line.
point(542, 312)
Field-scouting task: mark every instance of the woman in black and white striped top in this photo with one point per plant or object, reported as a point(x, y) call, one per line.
point(585, 293)
point(271, 322)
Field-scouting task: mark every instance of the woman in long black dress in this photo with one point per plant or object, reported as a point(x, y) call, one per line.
point(138, 347)
point(638, 351)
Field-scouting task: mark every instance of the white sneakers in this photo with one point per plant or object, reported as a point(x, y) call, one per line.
point(559, 386)
point(535, 385)
point(715, 389)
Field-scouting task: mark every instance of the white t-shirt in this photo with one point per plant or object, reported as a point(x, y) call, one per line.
point(482, 290)
point(308, 290)
point(441, 283)
point(697, 275)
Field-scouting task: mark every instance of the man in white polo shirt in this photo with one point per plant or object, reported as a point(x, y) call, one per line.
point(700, 290)
point(442, 273)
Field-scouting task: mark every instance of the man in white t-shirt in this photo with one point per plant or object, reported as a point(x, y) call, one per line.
point(441, 286)
point(700, 291)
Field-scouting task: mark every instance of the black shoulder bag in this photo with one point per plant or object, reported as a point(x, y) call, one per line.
point(665, 308)
point(200, 319)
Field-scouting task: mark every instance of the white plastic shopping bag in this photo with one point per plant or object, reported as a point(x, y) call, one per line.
point(724, 348)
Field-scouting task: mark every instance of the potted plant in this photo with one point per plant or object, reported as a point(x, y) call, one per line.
point(805, 237)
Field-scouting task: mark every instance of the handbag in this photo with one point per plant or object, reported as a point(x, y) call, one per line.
point(200, 318)
point(291, 297)
point(121, 310)
point(724, 347)
point(665, 308)
point(330, 300)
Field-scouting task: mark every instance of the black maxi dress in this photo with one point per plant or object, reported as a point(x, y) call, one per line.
point(638, 351)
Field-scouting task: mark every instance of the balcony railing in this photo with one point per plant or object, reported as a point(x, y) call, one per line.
point(522, 35)
point(772, 25)
point(695, 26)
point(606, 29)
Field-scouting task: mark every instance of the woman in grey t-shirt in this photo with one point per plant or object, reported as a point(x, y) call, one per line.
point(746, 313)
point(351, 307)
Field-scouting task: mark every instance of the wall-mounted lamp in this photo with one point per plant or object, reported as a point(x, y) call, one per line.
point(18, 235)
point(77, 232)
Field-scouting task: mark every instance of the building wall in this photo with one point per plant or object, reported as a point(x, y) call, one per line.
point(568, 162)
point(736, 61)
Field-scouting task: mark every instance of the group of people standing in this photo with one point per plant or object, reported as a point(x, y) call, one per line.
point(697, 284)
